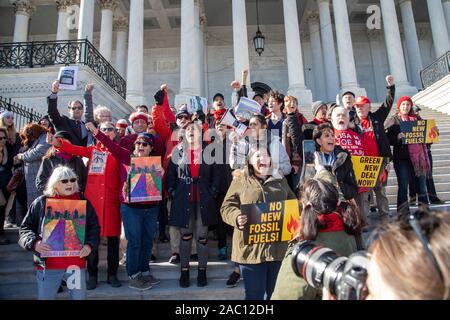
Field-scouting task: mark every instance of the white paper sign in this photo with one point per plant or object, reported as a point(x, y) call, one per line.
point(195, 103)
point(68, 78)
point(247, 107)
point(230, 120)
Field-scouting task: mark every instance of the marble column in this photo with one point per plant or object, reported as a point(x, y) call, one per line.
point(63, 32)
point(412, 42)
point(297, 87)
point(240, 40)
point(394, 48)
point(446, 5)
point(189, 53)
point(329, 50)
point(378, 62)
point(106, 29)
point(86, 21)
point(135, 66)
point(121, 27)
point(199, 45)
point(347, 68)
point(438, 27)
point(316, 46)
point(23, 10)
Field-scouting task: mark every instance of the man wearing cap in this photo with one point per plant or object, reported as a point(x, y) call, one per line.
point(72, 124)
point(348, 101)
point(370, 127)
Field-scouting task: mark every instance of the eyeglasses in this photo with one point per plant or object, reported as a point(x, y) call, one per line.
point(3, 138)
point(107, 129)
point(76, 108)
point(414, 223)
point(65, 181)
point(183, 117)
point(144, 144)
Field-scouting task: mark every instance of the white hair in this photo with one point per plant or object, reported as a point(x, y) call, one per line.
point(99, 109)
point(58, 174)
point(339, 108)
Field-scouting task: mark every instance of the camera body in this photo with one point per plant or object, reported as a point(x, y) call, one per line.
point(321, 267)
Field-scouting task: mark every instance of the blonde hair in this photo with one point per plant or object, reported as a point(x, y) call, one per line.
point(58, 174)
point(12, 132)
point(100, 109)
point(404, 265)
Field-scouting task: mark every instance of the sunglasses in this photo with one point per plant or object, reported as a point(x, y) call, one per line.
point(183, 117)
point(414, 223)
point(3, 138)
point(65, 181)
point(107, 129)
point(76, 108)
point(144, 144)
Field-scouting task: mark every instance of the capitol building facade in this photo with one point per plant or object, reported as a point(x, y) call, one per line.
point(313, 49)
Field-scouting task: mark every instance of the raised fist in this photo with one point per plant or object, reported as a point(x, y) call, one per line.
point(89, 87)
point(390, 80)
point(55, 86)
point(164, 87)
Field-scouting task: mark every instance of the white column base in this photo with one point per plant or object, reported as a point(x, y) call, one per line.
point(404, 89)
point(303, 95)
point(135, 98)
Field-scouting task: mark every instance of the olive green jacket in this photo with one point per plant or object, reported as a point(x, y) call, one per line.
point(291, 287)
point(248, 190)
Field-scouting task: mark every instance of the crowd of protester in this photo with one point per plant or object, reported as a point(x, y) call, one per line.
point(209, 172)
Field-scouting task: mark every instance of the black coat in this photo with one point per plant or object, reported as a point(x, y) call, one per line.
point(377, 119)
point(6, 170)
point(179, 181)
point(223, 168)
point(392, 131)
point(64, 123)
point(31, 229)
point(48, 164)
point(343, 170)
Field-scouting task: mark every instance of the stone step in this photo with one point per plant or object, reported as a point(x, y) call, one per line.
point(436, 170)
point(444, 196)
point(167, 290)
point(392, 180)
point(440, 188)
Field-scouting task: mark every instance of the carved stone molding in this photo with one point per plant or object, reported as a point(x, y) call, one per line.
point(374, 34)
point(121, 24)
point(62, 5)
point(108, 4)
point(304, 35)
point(422, 32)
point(313, 17)
point(25, 7)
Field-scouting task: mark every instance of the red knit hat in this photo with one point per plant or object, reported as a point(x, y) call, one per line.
point(402, 99)
point(218, 114)
point(138, 115)
point(122, 123)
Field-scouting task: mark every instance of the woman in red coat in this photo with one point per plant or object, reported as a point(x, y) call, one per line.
point(103, 189)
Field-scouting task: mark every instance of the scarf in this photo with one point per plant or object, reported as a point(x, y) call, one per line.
point(318, 122)
point(418, 154)
point(330, 222)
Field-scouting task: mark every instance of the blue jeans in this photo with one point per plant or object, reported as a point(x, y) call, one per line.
point(259, 279)
point(140, 228)
point(48, 282)
point(405, 174)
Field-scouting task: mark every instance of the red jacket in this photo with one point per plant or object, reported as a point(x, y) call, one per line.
point(102, 190)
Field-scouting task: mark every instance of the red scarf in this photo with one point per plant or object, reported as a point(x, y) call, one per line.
point(418, 153)
point(319, 122)
point(331, 222)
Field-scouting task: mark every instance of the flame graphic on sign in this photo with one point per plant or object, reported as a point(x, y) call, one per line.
point(292, 225)
point(433, 133)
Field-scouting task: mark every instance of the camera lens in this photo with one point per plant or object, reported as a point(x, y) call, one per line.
point(319, 266)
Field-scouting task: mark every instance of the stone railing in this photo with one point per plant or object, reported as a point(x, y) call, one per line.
point(22, 115)
point(69, 52)
point(436, 71)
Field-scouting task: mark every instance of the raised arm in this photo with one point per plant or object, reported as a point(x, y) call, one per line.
point(384, 110)
point(88, 106)
point(52, 102)
point(65, 146)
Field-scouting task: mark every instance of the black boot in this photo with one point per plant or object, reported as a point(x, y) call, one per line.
point(184, 279)
point(114, 281)
point(91, 284)
point(201, 278)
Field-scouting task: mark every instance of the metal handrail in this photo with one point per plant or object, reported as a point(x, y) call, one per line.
point(435, 71)
point(66, 52)
point(23, 115)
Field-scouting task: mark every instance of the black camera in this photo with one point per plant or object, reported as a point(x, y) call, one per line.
point(345, 278)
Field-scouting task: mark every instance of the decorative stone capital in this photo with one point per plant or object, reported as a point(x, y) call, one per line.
point(422, 32)
point(373, 34)
point(62, 5)
point(25, 7)
point(108, 4)
point(403, 1)
point(203, 20)
point(313, 17)
point(121, 24)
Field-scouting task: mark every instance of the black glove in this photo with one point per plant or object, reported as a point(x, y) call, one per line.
point(159, 97)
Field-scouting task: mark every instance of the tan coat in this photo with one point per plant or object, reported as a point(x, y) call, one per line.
point(248, 190)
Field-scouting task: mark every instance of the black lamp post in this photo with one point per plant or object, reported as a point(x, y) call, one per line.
point(258, 39)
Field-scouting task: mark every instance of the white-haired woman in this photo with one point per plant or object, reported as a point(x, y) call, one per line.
point(62, 184)
point(102, 114)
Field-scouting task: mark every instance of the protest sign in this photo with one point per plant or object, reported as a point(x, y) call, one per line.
point(308, 168)
point(271, 221)
point(420, 131)
point(229, 119)
point(196, 103)
point(98, 162)
point(247, 107)
point(68, 78)
point(64, 227)
point(145, 180)
point(367, 170)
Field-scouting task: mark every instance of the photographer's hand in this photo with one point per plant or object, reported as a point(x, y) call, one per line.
point(326, 295)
